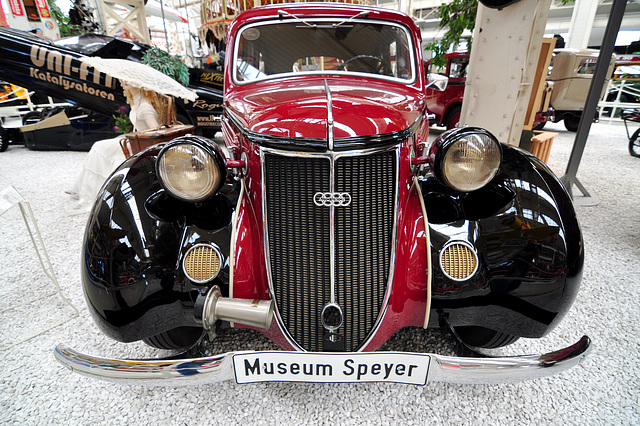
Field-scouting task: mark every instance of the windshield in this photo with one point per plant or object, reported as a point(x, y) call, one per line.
point(371, 48)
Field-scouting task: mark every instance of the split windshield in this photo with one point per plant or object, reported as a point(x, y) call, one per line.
point(375, 49)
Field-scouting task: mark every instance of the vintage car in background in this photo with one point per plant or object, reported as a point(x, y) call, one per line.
point(571, 73)
point(54, 68)
point(327, 222)
point(446, 104)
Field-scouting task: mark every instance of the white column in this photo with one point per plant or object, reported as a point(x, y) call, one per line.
point(504, 56)
point(584, 13)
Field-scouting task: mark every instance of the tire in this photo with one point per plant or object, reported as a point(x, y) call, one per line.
point(176, 339)
point(481, 337)
point(571, 122)
point(453, 117)
point(4, 140)
point(31, 117)
point(634, 144)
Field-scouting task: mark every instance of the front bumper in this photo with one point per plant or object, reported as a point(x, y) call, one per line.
point(196, 371)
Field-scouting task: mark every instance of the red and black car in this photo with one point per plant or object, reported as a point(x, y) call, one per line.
point(328, 223)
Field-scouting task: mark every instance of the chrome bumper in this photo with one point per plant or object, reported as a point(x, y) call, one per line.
point(196, 371)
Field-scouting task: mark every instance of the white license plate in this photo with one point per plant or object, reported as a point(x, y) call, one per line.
point(331, 367)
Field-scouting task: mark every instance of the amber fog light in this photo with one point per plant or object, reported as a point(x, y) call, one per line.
point(458, 261)
point(202, 263)
point(189, 171)
point(467, 159)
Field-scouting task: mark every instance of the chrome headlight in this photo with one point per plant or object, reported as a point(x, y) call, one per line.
point(190, 169)
point(466, 159)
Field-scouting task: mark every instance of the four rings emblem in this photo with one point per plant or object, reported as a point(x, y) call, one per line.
point(329, 199)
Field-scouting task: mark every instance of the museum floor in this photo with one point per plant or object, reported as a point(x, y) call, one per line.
point(35, 389)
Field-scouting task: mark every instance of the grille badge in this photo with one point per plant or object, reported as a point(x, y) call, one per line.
point(331, 199)
point(331, 317)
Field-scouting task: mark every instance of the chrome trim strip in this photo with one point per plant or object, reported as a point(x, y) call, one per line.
point(427, 236)
point(332, 231)
point(234, 228)
point(329, 115)
point(332, 157)
point(332, 208)
point(198, 371)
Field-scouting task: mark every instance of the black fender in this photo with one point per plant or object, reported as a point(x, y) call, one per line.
point(135, 237)
point(524, 230)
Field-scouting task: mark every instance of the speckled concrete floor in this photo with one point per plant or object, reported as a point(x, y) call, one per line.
point(35, 389)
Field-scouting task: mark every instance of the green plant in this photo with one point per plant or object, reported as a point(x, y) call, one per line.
point(123, 123)
point(173, 66)
point(458, 15)
point(66, 29)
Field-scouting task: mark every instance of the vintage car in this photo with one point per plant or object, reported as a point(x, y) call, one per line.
point(570, 75)
point(328, 223)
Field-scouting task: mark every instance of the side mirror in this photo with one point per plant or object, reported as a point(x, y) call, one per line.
point(437, 81)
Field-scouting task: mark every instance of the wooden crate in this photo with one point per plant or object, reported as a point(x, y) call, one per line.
point(541, 144)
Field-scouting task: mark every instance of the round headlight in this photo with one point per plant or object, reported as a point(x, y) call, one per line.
point(468, 158)
point(190, 172)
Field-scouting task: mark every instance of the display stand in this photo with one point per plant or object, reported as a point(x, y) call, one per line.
point(10, 197)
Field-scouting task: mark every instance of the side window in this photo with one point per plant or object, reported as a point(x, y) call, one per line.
point(458, 68)
point(551, 65)
point(587, 66)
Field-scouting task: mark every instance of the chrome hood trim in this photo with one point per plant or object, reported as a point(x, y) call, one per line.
point(197, 371)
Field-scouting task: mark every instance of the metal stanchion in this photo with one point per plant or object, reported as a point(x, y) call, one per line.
point(10, 197)
point(600, 75)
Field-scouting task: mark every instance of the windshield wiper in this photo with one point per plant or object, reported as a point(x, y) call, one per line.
point(364, 13)
point(282, 13)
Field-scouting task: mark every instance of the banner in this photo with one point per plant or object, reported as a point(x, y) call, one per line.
point(43, 8)
point(16, 8)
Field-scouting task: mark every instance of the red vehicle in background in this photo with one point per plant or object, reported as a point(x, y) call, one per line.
point(446, 104)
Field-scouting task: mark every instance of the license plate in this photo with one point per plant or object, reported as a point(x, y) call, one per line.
point(331, 367)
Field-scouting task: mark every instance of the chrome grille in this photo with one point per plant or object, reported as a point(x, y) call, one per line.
point(298, 233)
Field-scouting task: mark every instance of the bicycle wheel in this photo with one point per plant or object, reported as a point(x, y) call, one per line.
point(634, 144)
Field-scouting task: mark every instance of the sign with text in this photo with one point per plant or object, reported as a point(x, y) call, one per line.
point(361, 367)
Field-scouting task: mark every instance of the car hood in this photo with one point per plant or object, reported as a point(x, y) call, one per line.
point(300, 109)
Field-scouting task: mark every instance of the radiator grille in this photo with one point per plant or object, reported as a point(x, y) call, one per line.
point(299, 242)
